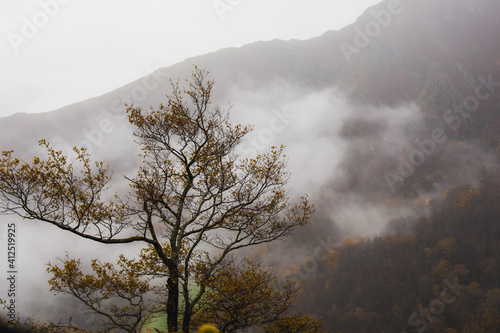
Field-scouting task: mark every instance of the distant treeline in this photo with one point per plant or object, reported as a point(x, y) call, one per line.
point(439, 273)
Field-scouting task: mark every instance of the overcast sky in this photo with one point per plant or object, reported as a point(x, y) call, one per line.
point(57, 52)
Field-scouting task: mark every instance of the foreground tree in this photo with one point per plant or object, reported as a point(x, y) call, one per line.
point(193, 203)
point(237, 297)
point(245, 296)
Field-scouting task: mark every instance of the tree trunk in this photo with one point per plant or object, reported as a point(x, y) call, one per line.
point(186, 321)
point(173, 300)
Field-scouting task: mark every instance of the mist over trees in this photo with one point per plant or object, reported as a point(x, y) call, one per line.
point(434, 273)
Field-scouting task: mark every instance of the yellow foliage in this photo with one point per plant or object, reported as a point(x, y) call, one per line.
point(467, 197)
point(295, 324)
point(474, 288)
point(244, 296)
point(347, 243)
point(448, 246)
point(460, 271)
point(333, 259)
point(208, 329)
point(442, 268)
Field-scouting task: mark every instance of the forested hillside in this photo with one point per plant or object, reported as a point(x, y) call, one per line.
point(438, 273)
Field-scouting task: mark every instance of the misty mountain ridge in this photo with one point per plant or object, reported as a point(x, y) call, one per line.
point(379, 118)
point(399, 65)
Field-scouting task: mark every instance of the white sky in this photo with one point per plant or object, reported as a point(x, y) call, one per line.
point(86, 48)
